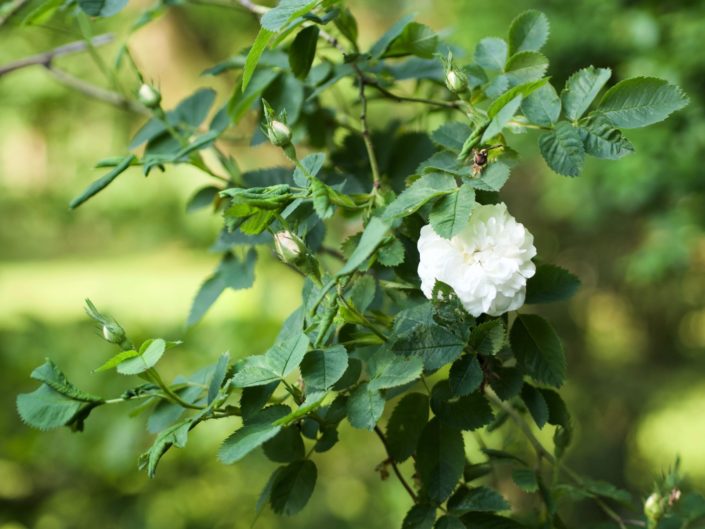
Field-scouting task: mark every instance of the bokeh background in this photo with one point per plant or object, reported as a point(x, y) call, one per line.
point(633, 230)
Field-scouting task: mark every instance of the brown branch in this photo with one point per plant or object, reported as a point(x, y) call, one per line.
point(46, 58)
point(403, 481)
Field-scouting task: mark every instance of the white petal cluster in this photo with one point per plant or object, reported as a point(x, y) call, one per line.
point(487, 264)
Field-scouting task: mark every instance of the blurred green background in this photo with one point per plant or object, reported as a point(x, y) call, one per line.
point(633, 230)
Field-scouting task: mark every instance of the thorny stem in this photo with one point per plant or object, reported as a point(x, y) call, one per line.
point(391, 461)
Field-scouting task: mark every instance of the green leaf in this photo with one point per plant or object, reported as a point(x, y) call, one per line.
point(536, 404)
point(524, 90)
point(550, 283)
point(416, 39)
point(602, 140)
point(389, 370)
point(321, 369)
point(381, 46)
point(257, 430)
point(506, 382)
point(525, 66)
point(538, 349)
point(321, 199)
point(481, 499)
point(202, 198)
point(448, 521)
point(528, 32)
point(292, 487)
point(286, 446)
point(103, 182)
point(101, 8)
point(176, 435)
point(365, 407)
point(488, 338)
point(254, 371)
point(194, 109)
point(465, 413)
point(243, 100)
point(606, 490)
point(117, 359)
point(420, 516)
point(45, 408)
point(286, 355)
point(491, 53)
point(581, 89)
point(525, 479)
point(253, 56)
point(219, 373)
point(231, 273)
point(52, 376)
point(501, 118)
point(493, 177)
point(640, 102)
point(391, 253)
point(347, 25)
point(451, 213)
point(483, 520)
point(426, 188)
point(375, 232)
point(563, 149)
point(451, 135)
point(558, 414)
point(405, 425)
point(465, 375)
point(440, 459)
point(150, 353)
point(543, 106)
point(303, 51)
point(286, 11)
point(435, 344)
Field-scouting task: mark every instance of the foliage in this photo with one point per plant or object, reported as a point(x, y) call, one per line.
point(364, 335)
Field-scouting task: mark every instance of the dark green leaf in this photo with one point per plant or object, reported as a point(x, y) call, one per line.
point(440, 458)
point(481, 499)
point(292, 487)
point(365, 407)
point(381, 46)
point(52, 376)
point(501, 118)
point(602, 140)
point(286, 355)
point(204, 197)
point(536, 404)
point(388, 370)
point(562, 148)
point(101, 8)
point(528, 32)
point(488, 338)
point(492, 178)
point(375, 231)
point(416, 39)
point(405, 425)
point(482, 520)
point(491, 53)
point(257, 430)
point(391, 253)
point(321, 369)
point(525, 479)
point(550, 283)
point(448, 521)
point(581, 89)
point(466, 413)
point(286, 446)
point(45, 408)
point(538, 349)
point(451, 213)
point(451, 135)
point(465, 375)
point(543, 106)
point(176, 435)
point(426, 188)
point(194, 109)
point(640, 102)
point(525, 66)
point(434, 343)
point(506, 382)
point(303, 51)
point(254, 398)
point(557, 411)
point(253, 56)
point(243, 100)
point(103, 182)
point(286, 11)
point(219, 373)
point(420, 516)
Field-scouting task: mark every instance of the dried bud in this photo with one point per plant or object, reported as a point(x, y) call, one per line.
point(113, 333)
point(456, 81)
point(279, 134)
point(288, 246)
point(149, 96)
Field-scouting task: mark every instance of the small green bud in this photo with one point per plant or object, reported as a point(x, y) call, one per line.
point(279, 134)
point(456, 81)
point(113, 333)
point(289, 247)
point(149, 96)
point(654, 508)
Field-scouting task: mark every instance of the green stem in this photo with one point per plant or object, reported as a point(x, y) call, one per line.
point(154, 376)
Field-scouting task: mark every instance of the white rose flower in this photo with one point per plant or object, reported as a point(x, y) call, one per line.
point(487, 264)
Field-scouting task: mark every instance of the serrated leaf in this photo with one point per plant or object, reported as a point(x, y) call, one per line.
point(536, 404)
point(465, 375)
point(543, 106)
point(257, 430)
point(641, 101)
point(255, 371)
point(365, 407)
point(374, 233)
point(52, 376)
point(405, 425)
point(202, 198)
point(146, 359)
point(303, 51)
point(321, 199)
point(243, 100)
point(558, 414)
point(440, 459)
point(292, 487)
point(525, 479)
point(284, 12)
point(448, 521)
point(484, 520)
point(218, 377)
point(523, 90)
point(286, 446)
point(101, 8)
point(482, 499)
point(492, 178)
point(103, 182)
point(193, 110)
point(525, 66)
point(451, 135)
point(581, 89)
point(419, 516)
point(451, 213)
point(415, 39)
point(389, 370)
point(45, 408)
point(176, 435)
point(321, 369)
point(286, 355)
point(488, 337)
point(465, 413)
point(563, 149)
point(550, 283)
point(436, 345)
point(491, 53)
point(528, 32)
point(391, 253)
point(506, 382)
point(602, 140)
point(117, 359)
point(426, 188)
point(538, 349)
point(501, 118)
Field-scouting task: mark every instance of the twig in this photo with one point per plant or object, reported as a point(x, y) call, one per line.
point(252, 7)
point(366, 137)
point(450, 105)
point(403, 481)
point(46, 58)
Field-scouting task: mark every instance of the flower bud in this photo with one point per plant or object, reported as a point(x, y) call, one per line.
point(149, 96)
point(654, 508)
point(456, 81)
point(113, 333)
point(279, 134)
point(288, 246)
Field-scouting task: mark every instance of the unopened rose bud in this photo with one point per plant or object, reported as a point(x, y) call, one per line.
point(279, 134)
point(654, 508)
point(149, 96)
point(288, 246)
point(456, 81)
point(113, 333)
